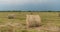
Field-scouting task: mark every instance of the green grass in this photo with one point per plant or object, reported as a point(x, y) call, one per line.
point(46, 17)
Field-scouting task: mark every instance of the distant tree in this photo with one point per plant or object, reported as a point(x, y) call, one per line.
point(49, 11)
point(29, 11)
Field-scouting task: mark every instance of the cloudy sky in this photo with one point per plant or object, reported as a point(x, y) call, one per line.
point(29, 4)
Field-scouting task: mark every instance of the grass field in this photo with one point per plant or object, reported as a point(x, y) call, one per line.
point(48, 20)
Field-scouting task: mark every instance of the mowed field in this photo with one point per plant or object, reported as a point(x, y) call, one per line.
point(50, 22)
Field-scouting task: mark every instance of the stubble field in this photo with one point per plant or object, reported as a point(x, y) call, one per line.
point(50, 22)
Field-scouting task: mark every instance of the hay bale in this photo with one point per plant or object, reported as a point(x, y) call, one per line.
point(11, 16)
point(59, 15)
point(33, 20)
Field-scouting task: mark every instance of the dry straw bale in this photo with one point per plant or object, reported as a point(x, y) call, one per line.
point(33, 20)
point(11, 16)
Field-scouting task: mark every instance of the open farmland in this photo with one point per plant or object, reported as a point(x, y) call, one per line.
point(18, 24)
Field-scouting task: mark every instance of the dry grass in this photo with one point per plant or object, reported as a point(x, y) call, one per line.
point(49, 20)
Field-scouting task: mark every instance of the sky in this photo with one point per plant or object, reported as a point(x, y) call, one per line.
point(30, 5)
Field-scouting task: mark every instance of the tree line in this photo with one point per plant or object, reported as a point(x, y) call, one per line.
point(28, 11)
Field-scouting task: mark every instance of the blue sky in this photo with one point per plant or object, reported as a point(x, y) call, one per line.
point(29, 4)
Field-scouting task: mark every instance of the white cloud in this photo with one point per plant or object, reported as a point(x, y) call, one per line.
point(21, 1)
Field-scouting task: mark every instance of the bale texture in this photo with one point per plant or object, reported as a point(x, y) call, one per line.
point(33, 20)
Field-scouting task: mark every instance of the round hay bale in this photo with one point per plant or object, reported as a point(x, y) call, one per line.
point(59, 15)
point(11, 16)
point(33, 20)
